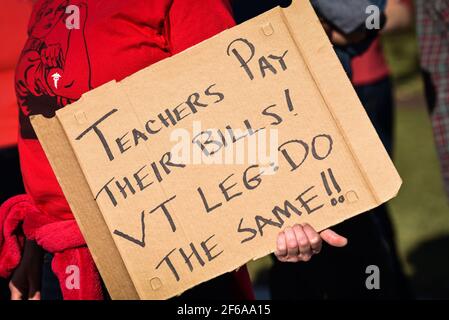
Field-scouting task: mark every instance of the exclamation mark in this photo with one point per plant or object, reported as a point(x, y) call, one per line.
point(288, 99)
point(334, 201)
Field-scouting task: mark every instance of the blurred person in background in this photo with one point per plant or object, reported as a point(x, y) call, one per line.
point(432, 26)
point(371, 75)
point(373, 85)
point(14, 15)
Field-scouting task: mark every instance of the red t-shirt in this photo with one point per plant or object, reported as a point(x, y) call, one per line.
point(115, 38)
point(370, 66)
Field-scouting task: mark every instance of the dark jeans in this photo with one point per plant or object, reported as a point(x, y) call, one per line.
point(220, 288)
point(377, 99)
point(10, 185)
point(11, 178)
point(50, 284)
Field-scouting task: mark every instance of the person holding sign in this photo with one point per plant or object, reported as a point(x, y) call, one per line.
point(72, 48)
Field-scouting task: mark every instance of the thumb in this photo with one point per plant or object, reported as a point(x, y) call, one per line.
point(332, 238)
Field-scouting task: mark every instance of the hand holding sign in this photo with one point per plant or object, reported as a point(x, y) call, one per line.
point(300, 243)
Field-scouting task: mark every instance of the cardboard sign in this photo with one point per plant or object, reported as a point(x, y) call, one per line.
point(191, 167)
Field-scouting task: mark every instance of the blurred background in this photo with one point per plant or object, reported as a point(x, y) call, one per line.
point(420, 212)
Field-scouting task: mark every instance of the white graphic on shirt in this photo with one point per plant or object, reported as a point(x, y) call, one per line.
point(56, 76)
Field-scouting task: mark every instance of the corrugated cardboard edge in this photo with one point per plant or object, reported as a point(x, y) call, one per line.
point(315, 48)
point(77, 192)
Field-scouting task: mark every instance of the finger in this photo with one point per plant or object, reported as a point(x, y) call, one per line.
point(281, 251)
point(292, 243)
point(314, 238)
point(303, 242)
point(293, 259)
point(36, 295)
point(334, 239)
point(282, 259)
point(15, 292)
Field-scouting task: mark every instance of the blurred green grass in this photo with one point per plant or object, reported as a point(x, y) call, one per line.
point(420, 212)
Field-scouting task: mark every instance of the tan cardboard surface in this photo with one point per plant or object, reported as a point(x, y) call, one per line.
point(175, 223)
